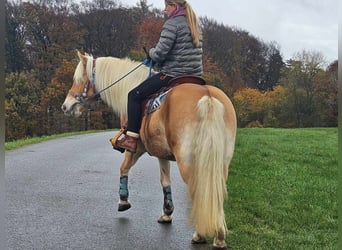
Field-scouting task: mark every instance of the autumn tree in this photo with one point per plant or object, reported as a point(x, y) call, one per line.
point(53, 95)
point(50, 37)
point(273, 64)
point(257, 108)
point(252, 60)
point(221, 45)
point(16, 58)
point(325, 96)
point(21, 106)
point(108, 31)
point(249, 105)
point(244, 59)
point(274, 107)
point(298, 78)
point(148, 32)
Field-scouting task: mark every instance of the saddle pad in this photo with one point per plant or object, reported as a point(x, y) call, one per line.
point(155, 103)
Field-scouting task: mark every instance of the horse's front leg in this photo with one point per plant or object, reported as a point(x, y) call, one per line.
point(129, 161)
point(165, 181)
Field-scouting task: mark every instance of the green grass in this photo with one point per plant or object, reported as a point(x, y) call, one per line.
point(283, 189)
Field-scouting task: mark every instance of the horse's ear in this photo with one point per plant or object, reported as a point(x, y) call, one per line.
point(79, 54)
point(83, 59)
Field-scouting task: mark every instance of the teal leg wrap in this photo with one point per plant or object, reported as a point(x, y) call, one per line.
point(123, 192)
point(168, 204)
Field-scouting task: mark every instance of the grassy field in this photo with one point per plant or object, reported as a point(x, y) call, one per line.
point(283, 190)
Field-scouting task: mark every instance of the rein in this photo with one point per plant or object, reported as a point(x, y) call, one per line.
point(98, 93)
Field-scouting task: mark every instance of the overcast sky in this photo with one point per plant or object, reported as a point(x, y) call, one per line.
point(294, 24)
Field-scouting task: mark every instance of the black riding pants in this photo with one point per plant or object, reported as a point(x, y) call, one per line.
point(138, 94)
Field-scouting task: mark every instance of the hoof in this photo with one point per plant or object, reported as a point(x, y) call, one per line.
point(198, 239)
point(219, 248)
point(199, 242)
point(124, 207)
point(165, 219)
point(222, 246)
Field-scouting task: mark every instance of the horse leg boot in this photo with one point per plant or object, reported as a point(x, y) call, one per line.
point(165, 181)
point(129, 161)
point(168, 207)
point(123, 192)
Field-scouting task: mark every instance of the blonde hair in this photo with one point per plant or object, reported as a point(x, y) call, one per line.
point(191, 19)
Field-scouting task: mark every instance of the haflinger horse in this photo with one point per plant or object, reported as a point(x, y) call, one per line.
point(194, 126)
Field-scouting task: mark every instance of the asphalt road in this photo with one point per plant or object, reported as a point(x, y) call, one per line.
point(63, 194)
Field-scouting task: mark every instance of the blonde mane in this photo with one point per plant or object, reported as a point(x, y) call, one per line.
point(107, 71)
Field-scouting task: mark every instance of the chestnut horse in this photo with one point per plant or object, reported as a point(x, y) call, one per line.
point(195, 126)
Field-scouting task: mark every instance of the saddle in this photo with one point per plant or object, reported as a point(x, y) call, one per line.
point(186, 79)
point(154, 101)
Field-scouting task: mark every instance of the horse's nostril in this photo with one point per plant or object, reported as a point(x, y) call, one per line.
point(63, 108)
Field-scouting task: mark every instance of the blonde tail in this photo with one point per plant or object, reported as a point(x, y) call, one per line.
point(207, 185)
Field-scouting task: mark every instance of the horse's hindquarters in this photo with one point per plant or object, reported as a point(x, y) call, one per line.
point(169, 131)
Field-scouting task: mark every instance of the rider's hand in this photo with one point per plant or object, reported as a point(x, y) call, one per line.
point(147, 61)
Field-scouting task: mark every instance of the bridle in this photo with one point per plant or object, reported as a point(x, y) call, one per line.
point(82, 97)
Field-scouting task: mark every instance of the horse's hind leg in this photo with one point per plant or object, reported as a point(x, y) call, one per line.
point(198, 239)
point(218, 243)
point(129, 161)
point(165, 181)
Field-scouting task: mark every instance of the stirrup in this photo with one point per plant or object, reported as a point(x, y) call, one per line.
point(128, 143)
point(115, 139)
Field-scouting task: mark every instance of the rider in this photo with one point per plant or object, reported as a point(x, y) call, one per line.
point(178, 52)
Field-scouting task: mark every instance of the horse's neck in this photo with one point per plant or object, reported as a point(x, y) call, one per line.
point(107, 71)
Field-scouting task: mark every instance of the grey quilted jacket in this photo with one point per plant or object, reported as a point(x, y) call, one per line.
point(175, 53)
